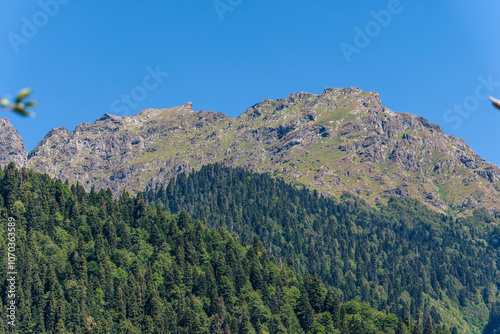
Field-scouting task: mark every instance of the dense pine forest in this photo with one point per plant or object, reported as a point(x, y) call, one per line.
point(92, 263)
point(400, 257)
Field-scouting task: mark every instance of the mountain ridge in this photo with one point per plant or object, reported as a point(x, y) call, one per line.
point(11, 145)
point(343, 140)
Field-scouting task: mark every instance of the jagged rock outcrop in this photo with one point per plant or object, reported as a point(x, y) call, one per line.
point(11, 145)
point(340, 140)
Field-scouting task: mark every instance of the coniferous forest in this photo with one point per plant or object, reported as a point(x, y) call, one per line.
point(229, 251)
point(400, 257)
point(89, 263)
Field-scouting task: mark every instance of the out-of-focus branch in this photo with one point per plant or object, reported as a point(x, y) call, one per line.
point(496, 102)
point(20, 104)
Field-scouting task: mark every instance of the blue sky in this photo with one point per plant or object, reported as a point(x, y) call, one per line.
point(436, 59)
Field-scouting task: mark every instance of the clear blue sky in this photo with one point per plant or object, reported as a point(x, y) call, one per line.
point(82, 57)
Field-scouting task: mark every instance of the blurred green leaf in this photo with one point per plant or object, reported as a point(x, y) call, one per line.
point(20, 106)
point(23, 93)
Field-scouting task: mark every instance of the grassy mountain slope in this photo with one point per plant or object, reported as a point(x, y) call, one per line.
point(340, 140)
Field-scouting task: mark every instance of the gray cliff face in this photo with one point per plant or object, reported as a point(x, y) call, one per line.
point(122, 152)
point(341, 140)
point(11, 145)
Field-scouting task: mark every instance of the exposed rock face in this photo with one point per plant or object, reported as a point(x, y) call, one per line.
point(340, 140)
point(11, 145)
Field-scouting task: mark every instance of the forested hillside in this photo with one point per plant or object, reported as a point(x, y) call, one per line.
point(401, 257)
point(88, 263)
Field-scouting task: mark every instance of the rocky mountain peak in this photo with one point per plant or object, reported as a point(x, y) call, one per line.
point(108, 118)
point(148, 114)
point(343, 139)
point(11, 145)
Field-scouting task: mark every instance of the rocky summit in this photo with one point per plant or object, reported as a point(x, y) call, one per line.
point(343, 140)
point(11, 145)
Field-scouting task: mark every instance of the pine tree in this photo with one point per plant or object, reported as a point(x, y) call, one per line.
point(10, 185)
point(345, 328)
point(332, 305)
point(120, 305)
point(317, 294)
point(400, 329)
point(153, 306)
point(245, 327)
point(183, 220)
point(305, 312)
point(155, 237)
point(79, 261)
point(110, 234)
point(428, 329)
